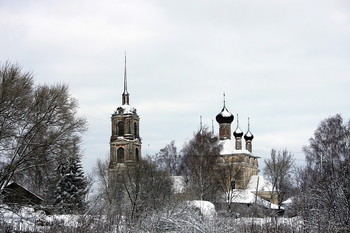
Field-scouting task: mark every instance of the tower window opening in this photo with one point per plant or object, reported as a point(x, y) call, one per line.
point(136, 130)
point(120, 155)
point(137, 156)
point(121, 126)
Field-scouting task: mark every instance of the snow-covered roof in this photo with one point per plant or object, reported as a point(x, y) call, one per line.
point(244, 196)
point(263, 185)
point(126, 109)
point(226, 113)
point(238, 130)
point(228, 148)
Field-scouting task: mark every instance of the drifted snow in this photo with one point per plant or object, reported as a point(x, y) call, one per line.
point(206, 208)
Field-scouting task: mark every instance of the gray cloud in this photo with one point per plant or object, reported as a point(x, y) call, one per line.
point(284, 64)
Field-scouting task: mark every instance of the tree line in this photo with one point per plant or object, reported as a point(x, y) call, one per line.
point(40, 146)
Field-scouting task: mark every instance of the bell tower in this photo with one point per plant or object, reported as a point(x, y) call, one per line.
point(125, 141)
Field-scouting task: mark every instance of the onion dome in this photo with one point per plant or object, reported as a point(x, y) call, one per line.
point(248, 136)
point(224, 116)
point(238, 133)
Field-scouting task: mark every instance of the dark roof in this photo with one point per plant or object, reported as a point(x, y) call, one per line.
point(16, 194)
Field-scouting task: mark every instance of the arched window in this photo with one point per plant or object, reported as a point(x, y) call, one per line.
point(120, 155)
point(137, 156)
point(121, 128)
point(136, 130)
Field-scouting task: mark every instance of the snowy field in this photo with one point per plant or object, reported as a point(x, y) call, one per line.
point(205, 219)
point(27, 219)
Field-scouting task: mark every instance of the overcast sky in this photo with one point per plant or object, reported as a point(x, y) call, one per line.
point(285, 64)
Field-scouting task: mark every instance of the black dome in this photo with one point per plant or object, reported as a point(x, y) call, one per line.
point(238, 133)
point(224, 116)
point(248, 136)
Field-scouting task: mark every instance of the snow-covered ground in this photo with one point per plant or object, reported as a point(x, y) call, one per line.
point(243, 196)
point(206, 208)
point(28, 219)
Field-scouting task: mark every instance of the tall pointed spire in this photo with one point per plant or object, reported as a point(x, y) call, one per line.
point(125, 96)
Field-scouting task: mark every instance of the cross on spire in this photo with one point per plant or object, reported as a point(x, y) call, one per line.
point(224, 100)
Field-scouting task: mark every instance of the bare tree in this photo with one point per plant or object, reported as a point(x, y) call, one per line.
point(147, 189)
point(38, 126)
point(199, 163)
point(169, 159)
point(278, 169)
point(107, 200)
point(137, 190)
point(227, 174)
point(324, 186)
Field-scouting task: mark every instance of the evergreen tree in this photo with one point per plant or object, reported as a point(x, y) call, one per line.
point(71, 188)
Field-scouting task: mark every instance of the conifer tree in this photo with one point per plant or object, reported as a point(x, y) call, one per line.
point(71, 188)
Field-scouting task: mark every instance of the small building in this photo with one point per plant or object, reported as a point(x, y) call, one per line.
point(16, 194)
